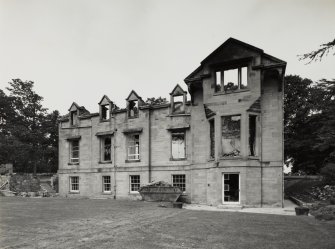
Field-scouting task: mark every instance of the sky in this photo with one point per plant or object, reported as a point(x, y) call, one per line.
point(79, 50)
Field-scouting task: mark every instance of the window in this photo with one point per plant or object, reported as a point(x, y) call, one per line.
point(135, 182)
point(134, 147)
point(105, 112)
point(178, 146)
point(74, 151)
point(106, 184)
point(178, 104)
point(74, 183)
point(73, 118)
point(231, 136)
point(212, 138)
point(231, 79)
point(133, 109)
point(252, 135)
point(179, 181)
point(106, 145)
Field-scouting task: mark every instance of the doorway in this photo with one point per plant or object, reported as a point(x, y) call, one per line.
point(231, 188)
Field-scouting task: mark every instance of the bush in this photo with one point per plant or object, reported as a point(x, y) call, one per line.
point(328, 173)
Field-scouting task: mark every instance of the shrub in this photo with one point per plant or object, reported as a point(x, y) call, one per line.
point(328, 173)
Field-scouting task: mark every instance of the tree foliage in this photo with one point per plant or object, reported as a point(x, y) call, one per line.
point(309, 122)
point(28, 132)
point(317, 55)
point(156, 101)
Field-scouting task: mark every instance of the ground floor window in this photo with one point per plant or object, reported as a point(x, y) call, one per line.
point(179, 181)
point(106, 184)
point(74, 183)
point(231, 187)
point(135, 182)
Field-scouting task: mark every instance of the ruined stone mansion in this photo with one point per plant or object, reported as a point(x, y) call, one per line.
point(222, 146)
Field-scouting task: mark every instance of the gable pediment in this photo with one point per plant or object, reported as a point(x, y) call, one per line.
point(74, 107)
point(133, 96)
point(177, 91)
point(105, 100)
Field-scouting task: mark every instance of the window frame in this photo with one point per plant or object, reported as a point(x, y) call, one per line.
point(136, 105)
point(175, 132)
point(239, 79)
point(138, 158)
point(222, 155)
point(105, 110)
point(131, 184)
point(74, 160)
point(102, 148)
point(104, 184)
point(181, 183)
point(71, 184)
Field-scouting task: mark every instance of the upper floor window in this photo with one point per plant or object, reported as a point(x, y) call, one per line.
point(74, 151)
point(133, 150)
point(106, 145)
point(212, 137)
point(231, 136)
point(231, 79)
point(253, 143)
point(178, 145)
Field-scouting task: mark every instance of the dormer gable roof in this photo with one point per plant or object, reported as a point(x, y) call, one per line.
point(74, 107)
point(133, 96)
point(177, 91)
point(104, 100)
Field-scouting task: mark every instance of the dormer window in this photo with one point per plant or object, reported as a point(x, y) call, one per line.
point(133, 109)
point(105, 108)
point(178, 100)
point(133, 104)
point(73, 118)
point(105, 113)
point(231, 79)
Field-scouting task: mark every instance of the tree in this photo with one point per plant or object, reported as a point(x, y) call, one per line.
point(309, 121)
point(29, 133)
point(156, 101)
point(319, 53)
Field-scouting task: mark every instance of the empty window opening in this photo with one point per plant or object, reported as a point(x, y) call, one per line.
point(135, 183)
point(105, 112)
point(106, 184)
point(134, 147)
point(74, 151)
point(178, 104)
point(74, 184)
point(73, 118)
point(231, 136)
point(179, 181)
point(212, 138)
point(231, 188)
point(231, 79)
point(218, 81)
point(178, 145)
point(133, 109)
point(252, 135)
point(107, 149)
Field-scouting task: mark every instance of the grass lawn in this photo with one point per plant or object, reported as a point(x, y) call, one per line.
point(88, 223)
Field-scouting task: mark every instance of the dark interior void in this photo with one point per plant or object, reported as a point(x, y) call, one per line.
point(252, 135)
point(231, 188)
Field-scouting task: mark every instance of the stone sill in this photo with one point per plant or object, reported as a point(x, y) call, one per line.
point(229, 92)
point(106, 193)
point(105, 162)
point(178, 159)
point(179, 115)
point(73, 164)
point(132, 161)
point(74, 193)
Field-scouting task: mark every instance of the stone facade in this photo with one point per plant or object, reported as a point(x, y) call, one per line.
point(224, 146)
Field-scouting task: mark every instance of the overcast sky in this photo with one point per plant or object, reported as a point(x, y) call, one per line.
point(79, 50)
